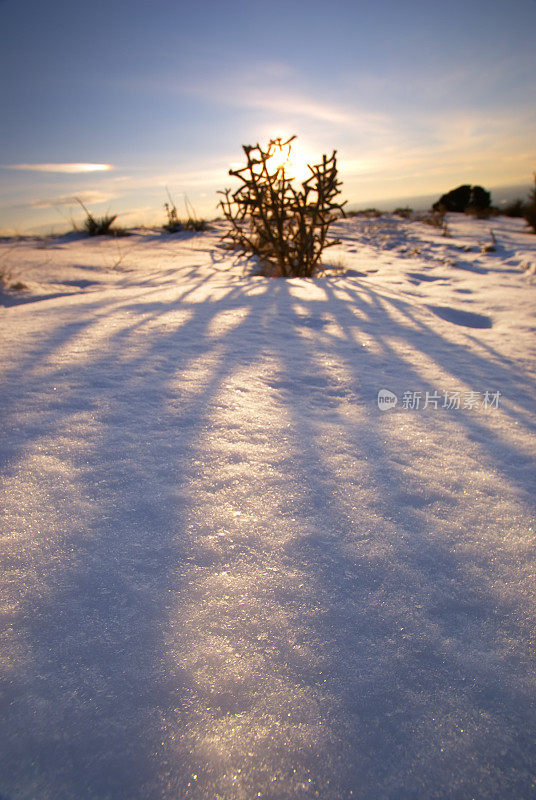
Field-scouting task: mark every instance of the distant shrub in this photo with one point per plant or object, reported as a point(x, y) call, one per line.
point(456, 200)
point(173, 223)
point(5, 277)
point(516, 208)
point(284, 225)
point(404, 212)
point(479, 200)
point(7, 280)
point(191, 223)
point(101, 226)
point(482, 213)
point(464, 199)
point(529, 212)
point(436, 219)
point(370, 213)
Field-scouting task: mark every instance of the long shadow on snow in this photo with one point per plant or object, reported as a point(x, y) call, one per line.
point(95, 623)
point(416, 654)
point(91, 695)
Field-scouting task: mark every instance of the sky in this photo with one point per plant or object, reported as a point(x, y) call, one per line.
point(115, 103)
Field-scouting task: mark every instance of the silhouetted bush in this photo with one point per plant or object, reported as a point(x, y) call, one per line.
point(464, 198)
point(173, 223)
point(529, 212)
point(190, 223)
point(370, 213)
point(455, 200)
point(283, 225)
point(480, 198)
point(404, 212)
point(101, 226)
point(195, 224)
point(482, 213)
point(516, 208)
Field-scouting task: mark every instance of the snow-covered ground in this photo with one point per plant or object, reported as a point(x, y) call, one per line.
point(226, 572)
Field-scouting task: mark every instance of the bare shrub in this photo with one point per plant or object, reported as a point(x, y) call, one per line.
point(101, 226)
point(285, 226)
point(191, 222)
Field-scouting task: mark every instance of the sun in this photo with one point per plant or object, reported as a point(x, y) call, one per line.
point(289, 159)
point(279, 158)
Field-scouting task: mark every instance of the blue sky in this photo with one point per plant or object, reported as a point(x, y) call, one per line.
point(417, 97)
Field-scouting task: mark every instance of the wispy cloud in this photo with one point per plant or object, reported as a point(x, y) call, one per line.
point(300, 105)
point(66, 168)
point(296, 105)
point(71, 200)
point(209, 173)
point(430, 153)
point(285, 95)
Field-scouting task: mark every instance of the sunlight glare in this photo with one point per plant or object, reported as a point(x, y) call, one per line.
point(291, 160)
point(279, 159)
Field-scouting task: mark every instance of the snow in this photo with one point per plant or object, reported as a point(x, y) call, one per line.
point(226, 573)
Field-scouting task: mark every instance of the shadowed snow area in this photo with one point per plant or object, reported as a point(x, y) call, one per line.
point(226, 573)
point(460, 317)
